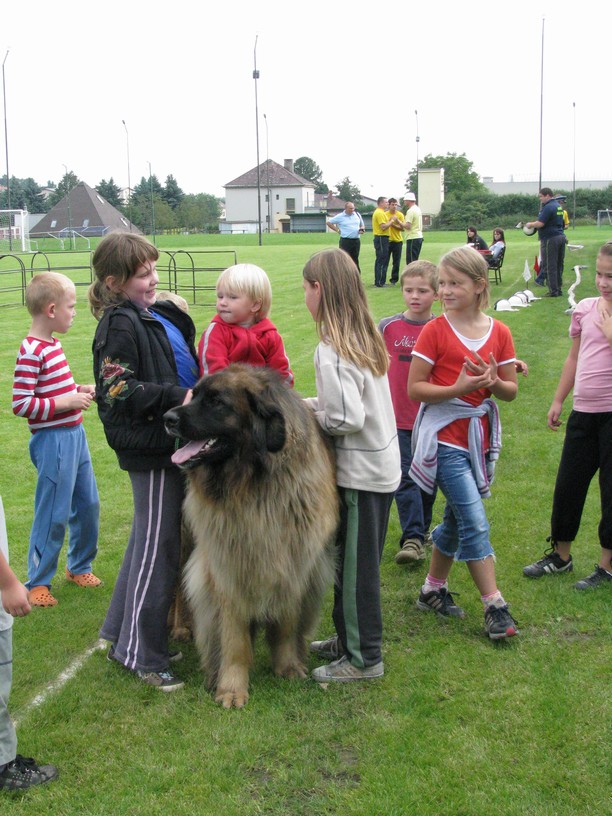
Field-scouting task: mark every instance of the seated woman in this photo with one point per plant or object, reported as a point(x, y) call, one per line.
point(474, 239)
point(499, 243)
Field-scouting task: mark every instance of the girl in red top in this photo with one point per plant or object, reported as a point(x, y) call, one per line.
point(241, 331)
point(460, 359)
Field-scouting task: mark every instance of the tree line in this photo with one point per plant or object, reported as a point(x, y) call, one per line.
point(466, 199)
point(151, 205)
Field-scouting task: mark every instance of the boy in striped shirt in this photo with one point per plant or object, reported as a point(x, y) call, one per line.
point(45, 393)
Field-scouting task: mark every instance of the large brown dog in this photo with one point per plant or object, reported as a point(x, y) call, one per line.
point(262, 505)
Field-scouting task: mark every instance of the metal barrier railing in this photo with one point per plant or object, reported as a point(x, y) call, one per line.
point(182, 271)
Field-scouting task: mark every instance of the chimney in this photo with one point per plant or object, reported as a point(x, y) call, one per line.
point(288, 163)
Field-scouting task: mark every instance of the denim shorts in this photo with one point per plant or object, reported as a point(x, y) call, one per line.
point(464, 530)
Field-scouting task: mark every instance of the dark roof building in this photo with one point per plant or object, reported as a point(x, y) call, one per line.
point(85, 211)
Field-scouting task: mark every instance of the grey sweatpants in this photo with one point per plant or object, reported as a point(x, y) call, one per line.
point(8, 738)
point(137, 620)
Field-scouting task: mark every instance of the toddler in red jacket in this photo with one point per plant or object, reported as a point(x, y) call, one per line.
point(241, 331)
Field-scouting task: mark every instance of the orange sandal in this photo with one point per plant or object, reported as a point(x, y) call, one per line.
point(41, 596)
point(86, 579)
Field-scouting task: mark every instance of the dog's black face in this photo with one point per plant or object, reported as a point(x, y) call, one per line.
point(233, 415)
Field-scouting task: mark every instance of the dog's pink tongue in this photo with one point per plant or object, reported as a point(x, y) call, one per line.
point(186, 453)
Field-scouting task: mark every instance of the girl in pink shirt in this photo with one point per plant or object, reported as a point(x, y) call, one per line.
point(588, 438)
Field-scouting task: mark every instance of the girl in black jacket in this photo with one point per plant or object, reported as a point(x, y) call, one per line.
point(144, 364)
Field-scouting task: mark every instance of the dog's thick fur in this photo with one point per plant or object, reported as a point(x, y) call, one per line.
point(262, 505)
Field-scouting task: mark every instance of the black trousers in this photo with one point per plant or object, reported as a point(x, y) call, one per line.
point(360, 540)
point(395, 255)
point(413, 249)
point(351, 246)
point(587, 448)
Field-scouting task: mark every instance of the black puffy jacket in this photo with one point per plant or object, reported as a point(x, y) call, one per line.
point(137, 382)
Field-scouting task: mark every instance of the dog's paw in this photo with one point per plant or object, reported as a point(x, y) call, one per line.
point(292, 671)
point(232, 699)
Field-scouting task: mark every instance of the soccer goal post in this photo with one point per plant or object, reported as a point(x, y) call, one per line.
point(14, 231)
point(604, 217)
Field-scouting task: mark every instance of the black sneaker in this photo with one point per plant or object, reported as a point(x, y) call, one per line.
point(330, 649)
point(162, 680)
point(441, 602)
point(22, 773)
point(550, 564)
point(499, 623)
point(597, 578)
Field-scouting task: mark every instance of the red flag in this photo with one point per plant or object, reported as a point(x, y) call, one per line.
point(536, 265)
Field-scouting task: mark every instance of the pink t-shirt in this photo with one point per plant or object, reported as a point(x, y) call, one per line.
point(593, 383)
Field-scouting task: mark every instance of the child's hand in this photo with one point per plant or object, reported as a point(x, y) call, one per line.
point(480, 374)
point(554, 412)
point(15, 599)
point(87, 389)
point(605, 324)
point(521, 367)
point(73, 402)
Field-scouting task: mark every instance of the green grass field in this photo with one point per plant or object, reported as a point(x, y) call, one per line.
point(458, 725)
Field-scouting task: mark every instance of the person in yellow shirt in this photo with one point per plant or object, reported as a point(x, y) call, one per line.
point(380, 227)
point(396, 218)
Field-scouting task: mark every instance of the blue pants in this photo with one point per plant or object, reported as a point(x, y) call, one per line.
point(464, 531)
point(414, 506)
point(66, 496)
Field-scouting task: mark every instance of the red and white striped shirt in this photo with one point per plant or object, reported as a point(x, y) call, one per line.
point(42, 373)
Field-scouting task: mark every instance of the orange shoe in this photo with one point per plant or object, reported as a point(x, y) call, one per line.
point(86, 579)
point(41, 596)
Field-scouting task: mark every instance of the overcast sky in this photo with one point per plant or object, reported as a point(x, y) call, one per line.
point(339, 82)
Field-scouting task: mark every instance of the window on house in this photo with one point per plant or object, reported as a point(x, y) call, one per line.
point(277, 196)
point(267, 198)
point(53, 224)
point(290, 205)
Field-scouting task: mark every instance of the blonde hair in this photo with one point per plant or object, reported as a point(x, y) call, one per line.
point(426, 270)
point(249, 280)
point(471, 263)
point(46, 288)
point(119, 255)
point(343, 319)
point(606, 249)
point(178, 300)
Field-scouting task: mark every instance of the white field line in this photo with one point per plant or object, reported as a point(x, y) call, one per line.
point(55, 685)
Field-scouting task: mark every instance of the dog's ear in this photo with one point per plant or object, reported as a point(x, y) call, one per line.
point(268, 425)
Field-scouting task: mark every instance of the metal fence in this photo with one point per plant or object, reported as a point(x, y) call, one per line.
point(189, 273)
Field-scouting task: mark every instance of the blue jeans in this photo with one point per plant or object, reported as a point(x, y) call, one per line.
point(414, 506)
point(464, 530)
point(66, 497)
point(381, 248)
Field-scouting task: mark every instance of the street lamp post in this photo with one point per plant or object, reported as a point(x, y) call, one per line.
point(416, 116)
point(69, 207)
point(8, 177)
point(574, 176)
point(127, 142)
point(256, 77)
point(152, 203)
point(268, 176)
